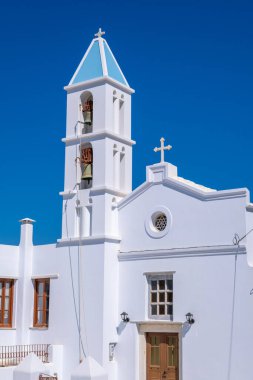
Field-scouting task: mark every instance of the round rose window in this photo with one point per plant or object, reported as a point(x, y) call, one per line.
point(160, 222)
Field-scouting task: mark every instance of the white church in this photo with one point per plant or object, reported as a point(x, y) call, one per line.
point(154, 283)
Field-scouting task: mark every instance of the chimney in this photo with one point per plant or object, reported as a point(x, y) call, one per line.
point(24, 285)
point(26, 235)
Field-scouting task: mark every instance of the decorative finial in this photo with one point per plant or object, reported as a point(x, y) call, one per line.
point(162, 149)
point(99, 33)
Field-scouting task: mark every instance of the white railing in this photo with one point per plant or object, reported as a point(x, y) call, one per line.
point(13, 355)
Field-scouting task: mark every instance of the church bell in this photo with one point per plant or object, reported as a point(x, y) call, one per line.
point(87, 112)
point(87, 117)
point(87, 172)
point(86, 163)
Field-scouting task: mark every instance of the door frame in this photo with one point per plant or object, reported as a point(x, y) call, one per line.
point(157, 327)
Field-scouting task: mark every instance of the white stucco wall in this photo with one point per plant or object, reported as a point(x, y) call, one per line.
point(204, 286)
point(194, 222)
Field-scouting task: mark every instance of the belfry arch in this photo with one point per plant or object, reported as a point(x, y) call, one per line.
point(86, 165)
point(86, 112)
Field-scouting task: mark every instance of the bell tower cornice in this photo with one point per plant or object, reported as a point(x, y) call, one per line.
point(98, 82)
point(89, 137)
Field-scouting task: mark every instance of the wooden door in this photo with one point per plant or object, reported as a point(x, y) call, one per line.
point(162, 356)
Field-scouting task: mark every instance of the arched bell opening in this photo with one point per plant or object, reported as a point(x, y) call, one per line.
point(86, 109)
point(86, 162)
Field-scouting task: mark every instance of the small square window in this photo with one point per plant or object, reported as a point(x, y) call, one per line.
point(161, 296)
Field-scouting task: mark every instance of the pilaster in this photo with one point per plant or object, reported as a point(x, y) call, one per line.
point(24, 286)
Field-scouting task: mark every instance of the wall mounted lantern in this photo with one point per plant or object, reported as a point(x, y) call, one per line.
point(189, 318)
point(124, 317)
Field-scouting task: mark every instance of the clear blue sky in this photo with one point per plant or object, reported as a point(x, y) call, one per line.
point(190, 62)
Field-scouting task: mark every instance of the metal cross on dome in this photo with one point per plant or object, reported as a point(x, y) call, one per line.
point(99, 33)
point(162, 148)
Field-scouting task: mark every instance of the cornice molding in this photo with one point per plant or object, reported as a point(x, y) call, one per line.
point(53, 276)
point(9, 277)
point(217, 250)
point(205, 195)
point(135, 194)
point(109, 190)
point(98, 82)
point(88, 240)
point(88, 137)
point(158, 326)
point(158, 323)
point(185, 189)
point(68, 194)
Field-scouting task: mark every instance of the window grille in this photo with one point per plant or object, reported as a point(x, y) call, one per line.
point(161, 297)
point(160, 222)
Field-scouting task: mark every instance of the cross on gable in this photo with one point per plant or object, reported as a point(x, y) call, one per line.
point(99, 33)
point(162, 149)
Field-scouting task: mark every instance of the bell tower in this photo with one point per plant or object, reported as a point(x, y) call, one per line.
point(98, 144)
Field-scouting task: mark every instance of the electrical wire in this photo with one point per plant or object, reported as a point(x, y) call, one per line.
point(78, 249)
point(236, 241)
point(81, 292)
point(77, 311)
point(237, 238)
point(72, 285)
point(80, 276)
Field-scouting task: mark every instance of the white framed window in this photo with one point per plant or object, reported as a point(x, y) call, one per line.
point(160, 293)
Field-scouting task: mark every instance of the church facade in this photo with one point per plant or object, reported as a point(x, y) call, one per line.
point(154, 283)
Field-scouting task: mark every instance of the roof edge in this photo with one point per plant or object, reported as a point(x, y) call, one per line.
point(116, 63)
point(96, 82)
point(81, 63)
point(186, 189)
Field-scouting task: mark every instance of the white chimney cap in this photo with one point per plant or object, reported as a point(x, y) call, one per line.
point(27, 221)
